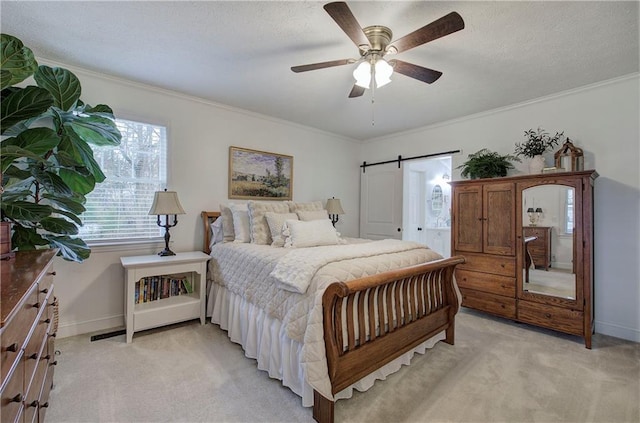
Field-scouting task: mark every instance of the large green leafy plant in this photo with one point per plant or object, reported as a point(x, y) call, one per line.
point(485, 163)
point(47, 164)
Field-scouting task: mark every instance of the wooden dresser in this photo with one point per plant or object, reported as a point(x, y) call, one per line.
point(540, 249)
point(27, 335)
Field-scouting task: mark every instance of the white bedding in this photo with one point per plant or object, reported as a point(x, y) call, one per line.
point(244, 288)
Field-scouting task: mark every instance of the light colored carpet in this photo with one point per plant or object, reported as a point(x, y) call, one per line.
point(498, 371)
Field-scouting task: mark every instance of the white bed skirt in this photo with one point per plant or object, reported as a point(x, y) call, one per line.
point(264, 339)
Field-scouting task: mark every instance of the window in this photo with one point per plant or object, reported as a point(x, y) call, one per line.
point(118, 208)
point(569, 213)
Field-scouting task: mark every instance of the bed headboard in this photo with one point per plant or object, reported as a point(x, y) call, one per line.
point(208, 217)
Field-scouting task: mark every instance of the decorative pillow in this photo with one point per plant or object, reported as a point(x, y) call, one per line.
point(259, 229)
point(228, 233)
point(310, 234)
point(276, 223)
point(217, 235)
point(240, 223)
point(312, 215)
point(314, 205)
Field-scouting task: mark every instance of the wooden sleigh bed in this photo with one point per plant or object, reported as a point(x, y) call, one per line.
point(370, 321)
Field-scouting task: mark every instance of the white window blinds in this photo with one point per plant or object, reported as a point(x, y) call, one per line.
point(117, 210)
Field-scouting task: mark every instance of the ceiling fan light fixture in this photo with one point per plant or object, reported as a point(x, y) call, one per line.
point(362, 74)
point(383, 73)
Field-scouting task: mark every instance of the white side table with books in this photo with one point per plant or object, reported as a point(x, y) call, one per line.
point(160, 291)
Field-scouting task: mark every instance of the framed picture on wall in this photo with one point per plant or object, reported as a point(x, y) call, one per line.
point(259, 175)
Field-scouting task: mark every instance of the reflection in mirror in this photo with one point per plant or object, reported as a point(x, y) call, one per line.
point(436, 198)
point(549, 253)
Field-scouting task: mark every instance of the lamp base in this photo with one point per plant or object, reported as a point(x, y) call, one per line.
point(166, 252)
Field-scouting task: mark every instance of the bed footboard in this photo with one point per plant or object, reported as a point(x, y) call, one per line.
point(369, 322)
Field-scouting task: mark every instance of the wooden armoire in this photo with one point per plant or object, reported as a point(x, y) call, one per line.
point(500, 276)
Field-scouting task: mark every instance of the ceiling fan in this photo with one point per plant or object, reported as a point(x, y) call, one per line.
point(374, 43)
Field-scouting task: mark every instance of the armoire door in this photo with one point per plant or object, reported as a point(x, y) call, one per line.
point(467, 219)
point(498, 221)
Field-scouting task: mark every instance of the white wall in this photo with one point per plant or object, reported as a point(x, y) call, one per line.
point(603, 119)
point(200, 133)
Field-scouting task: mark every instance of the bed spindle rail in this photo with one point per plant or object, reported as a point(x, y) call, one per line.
point(371, 321)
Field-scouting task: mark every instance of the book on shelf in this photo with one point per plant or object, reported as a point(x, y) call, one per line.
point(153, 288)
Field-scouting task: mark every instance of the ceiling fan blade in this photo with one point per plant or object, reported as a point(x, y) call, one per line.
point(356, 91)
point(341, 13)
point(446, 25)
point(416, 72)
point(321, 65)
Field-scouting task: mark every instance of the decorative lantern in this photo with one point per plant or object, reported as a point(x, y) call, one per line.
point(569, 158)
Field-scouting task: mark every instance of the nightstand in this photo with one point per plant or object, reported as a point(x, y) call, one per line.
point(160, 291)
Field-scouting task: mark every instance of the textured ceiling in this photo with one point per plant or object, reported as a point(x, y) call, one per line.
point(240, 53)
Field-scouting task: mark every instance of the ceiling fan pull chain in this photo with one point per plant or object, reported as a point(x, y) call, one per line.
point(373, 94)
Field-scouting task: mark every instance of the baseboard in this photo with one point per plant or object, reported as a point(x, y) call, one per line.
point(79, 328)
point(611, 329)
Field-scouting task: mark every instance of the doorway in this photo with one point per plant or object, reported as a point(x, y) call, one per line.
point(426, 208)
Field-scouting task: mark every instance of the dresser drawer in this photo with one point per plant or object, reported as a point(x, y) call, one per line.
point(490, 303)
point(45, 284)
point(561, 319)
point(496, 284)
point(14, 334)
point(34, 346)
point(541, 233)
point(498, 265)
point(32, 398)
point(13, 393)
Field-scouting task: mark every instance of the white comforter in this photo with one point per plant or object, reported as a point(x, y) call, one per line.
point(246, 269)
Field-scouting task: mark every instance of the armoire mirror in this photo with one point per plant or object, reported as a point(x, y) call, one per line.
point(548, 224)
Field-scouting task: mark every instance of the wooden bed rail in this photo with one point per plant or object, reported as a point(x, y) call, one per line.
point(208, 217)
point(371, 321)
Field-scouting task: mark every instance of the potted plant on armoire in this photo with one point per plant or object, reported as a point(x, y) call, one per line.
point(47, 163)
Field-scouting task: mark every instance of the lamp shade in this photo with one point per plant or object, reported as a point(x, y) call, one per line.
point(166, 202)
point(530, 210)
point(334, 206)
point(538, 210)
point(383, 73)
point(362, 74)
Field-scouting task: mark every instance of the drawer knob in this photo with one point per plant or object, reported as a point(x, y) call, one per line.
point(36, 305)
point(13, 347)
point(17, 398)
point(547, 315)
point(47, 357)
point(44, 291)
point(45, 405)
point(53, 335)
point(52, 273)
point(54, 363)
point(33, 356)
point(47, 321)
point(33, 403)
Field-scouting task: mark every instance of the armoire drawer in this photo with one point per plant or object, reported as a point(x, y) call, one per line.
point(495, 284)
point(490, 303)
point(497, 265)
point(557, 318)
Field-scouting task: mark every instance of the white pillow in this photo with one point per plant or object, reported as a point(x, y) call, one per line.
point(296, 207)
point(217, 234)
point(240, 223)
point(310, 234)
point(276, 223)
point(312, 215)
point(228, 233)
point(259, 230)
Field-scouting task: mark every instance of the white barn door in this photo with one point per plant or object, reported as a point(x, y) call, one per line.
point(381, 202)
